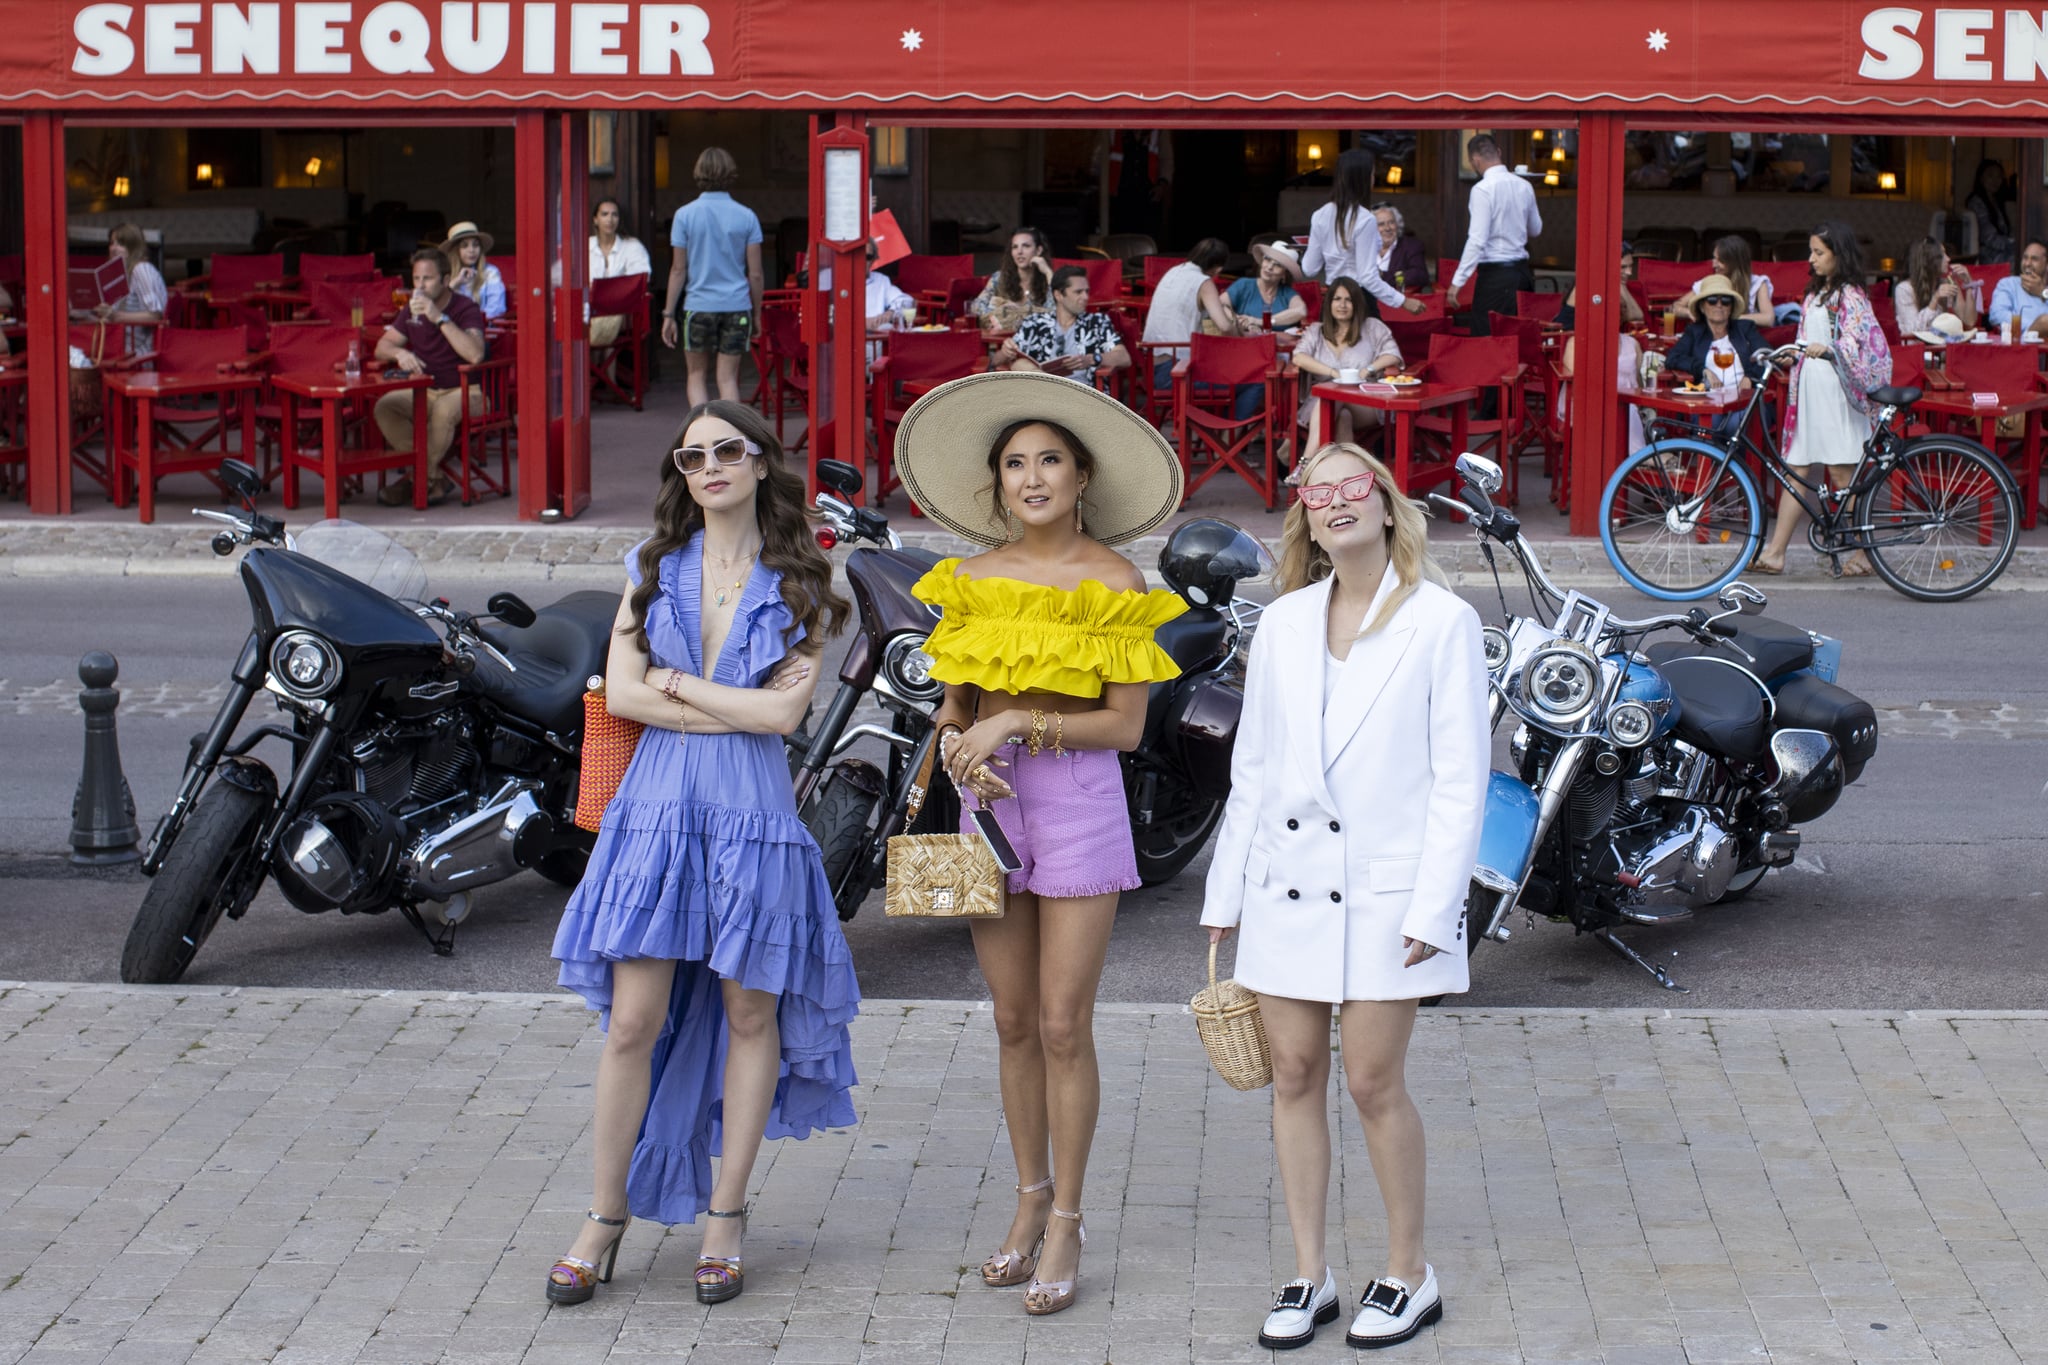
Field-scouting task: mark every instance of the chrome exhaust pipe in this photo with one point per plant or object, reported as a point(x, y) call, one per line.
point(501, 839)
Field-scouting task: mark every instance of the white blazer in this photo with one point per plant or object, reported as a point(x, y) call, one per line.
point(1349, 830)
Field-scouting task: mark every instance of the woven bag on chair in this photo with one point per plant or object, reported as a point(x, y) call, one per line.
point(608, 745)
point(1227, 1017)
point(940, 876)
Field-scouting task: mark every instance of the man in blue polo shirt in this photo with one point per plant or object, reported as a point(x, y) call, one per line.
point(2025, 295)
point(718, 253)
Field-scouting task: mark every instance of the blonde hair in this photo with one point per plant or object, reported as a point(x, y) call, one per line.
point(1303, 562)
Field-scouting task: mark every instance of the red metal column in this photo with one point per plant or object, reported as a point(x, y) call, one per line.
point(1597, 433)
point(48, 309)
point(571, 259)
point(530, 345)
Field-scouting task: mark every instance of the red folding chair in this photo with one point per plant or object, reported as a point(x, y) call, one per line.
point(487, 419)
point(912, 365)
point(1884, 308)
point(1412, 334)
point(1528, 335)
point(1491, 362)
point(959, 293)
point(1157, 266)
point(1311, 292)
point(1446, 271)
point(622, 296)
point(1666, 281)
point(314, 266)
point(1128, 336)
point(1105, 279)
point(189, 432)
point(336, 300)
point(238, 274)
point(928, 278)
point(297, 348)
point(1788, 280)
point(788, 373)
point(1209, 437)
point(1540, 305)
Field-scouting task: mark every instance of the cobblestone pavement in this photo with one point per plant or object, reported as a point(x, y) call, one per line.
point(310, 1177)
point(579, 554)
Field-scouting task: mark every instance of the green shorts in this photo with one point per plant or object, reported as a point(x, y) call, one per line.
point(725, 333)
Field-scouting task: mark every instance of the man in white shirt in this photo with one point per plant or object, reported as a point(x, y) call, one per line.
point(887, 308)
point(1503, 219)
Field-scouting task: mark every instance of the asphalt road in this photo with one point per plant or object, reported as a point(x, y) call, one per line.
point(1923, 888)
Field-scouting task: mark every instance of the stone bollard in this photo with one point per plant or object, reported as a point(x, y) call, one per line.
point(103, 829)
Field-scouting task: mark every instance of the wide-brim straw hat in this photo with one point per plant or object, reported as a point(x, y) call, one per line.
point(1944, 327)
point(1289, 259)
point(1718, 287)
point(943, 442)
point(462, 230)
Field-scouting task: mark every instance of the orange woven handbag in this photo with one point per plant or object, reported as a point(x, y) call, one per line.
point(608, 744)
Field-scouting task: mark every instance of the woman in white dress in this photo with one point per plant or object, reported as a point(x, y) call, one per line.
point(1828, 417)
point(1344, 236)
point(1357, 789)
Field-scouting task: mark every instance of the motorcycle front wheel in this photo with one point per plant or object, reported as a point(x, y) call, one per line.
point(1678, 523)
point(184, 900)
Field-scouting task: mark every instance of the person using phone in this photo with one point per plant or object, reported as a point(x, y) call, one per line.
point(1357, 789)
point(1070, 340)
point(1045, 644)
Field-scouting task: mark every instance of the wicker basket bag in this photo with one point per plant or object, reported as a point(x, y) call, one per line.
point(1227, 1017)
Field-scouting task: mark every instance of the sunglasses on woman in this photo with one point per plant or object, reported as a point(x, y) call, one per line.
point(732, 450)
point(1355, 489)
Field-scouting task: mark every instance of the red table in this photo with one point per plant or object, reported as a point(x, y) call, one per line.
point(1955, 405)
point(1677, 403)
point(144, 389)
point(1402, 405)
point(333, 464)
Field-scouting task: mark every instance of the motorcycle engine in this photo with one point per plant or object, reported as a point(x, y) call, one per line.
point(340, 854)
point(1678, 867)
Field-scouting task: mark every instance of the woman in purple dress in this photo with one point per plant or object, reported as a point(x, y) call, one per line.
point(704, 927)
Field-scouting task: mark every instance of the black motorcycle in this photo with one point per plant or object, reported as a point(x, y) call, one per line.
point(422, 763)
point(1175, 781)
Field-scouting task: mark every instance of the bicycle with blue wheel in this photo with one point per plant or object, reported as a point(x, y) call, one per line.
point(1938, 515)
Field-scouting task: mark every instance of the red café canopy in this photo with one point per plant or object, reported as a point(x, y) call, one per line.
point(1733, 58)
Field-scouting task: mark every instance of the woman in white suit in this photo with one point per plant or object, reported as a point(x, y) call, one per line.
point(1357, 788)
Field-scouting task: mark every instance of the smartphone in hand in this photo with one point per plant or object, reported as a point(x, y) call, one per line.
point(998, 842)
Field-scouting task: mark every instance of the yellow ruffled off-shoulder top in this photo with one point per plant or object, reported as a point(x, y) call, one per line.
point(1005, 635)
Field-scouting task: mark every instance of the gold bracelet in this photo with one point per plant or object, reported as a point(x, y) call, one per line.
point(1037, 740)
point(1059, 725)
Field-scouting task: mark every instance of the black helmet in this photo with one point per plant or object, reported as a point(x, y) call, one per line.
point(1205, 559)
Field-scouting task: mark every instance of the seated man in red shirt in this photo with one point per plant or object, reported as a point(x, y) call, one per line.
point(439, 331)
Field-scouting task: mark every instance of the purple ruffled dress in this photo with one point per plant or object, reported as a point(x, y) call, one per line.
point(702, 859)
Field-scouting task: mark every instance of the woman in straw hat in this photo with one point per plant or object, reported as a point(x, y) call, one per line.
point(470, 272)
point(1046, 648)
point(1356, 790)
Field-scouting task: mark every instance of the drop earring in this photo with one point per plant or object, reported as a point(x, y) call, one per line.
point(1009, 522)
point(1080, 523)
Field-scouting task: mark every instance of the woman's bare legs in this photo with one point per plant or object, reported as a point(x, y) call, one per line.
point(1298, 1032)
point(753, 1065)
point(1375, 1037)
point(1792, 516)
point(640, 993)
point(1007, 950)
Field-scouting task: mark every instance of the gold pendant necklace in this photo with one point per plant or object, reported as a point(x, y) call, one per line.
point(738, 583)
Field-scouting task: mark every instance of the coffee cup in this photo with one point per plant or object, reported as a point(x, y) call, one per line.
point(1348, 375)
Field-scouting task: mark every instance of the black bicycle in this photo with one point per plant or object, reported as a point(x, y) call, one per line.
point(1938, 515)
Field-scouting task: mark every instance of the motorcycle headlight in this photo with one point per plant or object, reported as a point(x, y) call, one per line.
point(305, 664)
point(1561, 683)
point(1494, 641)
point(908, 670)
point(1630, 724)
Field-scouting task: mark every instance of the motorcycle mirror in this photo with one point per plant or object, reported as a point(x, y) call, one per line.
point(1480, 472)
point(1743, 598)
point(511, 609)
point(240, 479)
point(840, 477)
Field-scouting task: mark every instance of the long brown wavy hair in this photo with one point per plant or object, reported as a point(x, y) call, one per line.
point(779, 511)
point(1017, 285)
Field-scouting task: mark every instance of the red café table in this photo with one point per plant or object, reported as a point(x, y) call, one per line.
point(1957, 405)
point(133, 444)
point(333, 464)
point(1402, 405)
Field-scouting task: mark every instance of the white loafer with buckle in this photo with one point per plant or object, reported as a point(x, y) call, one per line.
point(1391, 1312)
point(1298, 1309)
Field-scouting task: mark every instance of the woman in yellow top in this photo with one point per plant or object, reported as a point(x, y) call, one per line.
point(1046, 648)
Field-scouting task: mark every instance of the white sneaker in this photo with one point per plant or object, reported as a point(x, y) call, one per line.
point(1391, 1312)
point(1298, 1309)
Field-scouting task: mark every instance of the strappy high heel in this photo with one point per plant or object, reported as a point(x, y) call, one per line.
point(575, 1280)
point(1006, 1268)
point(1046, 1298)
point(720, 1278)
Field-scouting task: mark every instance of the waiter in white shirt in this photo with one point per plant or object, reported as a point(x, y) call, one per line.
point(1504, 218)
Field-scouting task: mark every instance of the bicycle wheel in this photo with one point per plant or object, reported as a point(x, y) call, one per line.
point(1667, 532)
point(1943, 521)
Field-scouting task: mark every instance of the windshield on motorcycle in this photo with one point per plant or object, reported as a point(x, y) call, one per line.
point(370, 557)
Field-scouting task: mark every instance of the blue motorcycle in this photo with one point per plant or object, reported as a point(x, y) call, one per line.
point(1651, 777)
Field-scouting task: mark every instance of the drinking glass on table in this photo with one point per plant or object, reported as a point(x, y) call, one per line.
point(1724, 361)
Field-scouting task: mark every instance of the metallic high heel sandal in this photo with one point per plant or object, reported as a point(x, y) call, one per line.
point(1046, 1298)
point(720, 1277)
point(575, 1280)
point(1006, 1268)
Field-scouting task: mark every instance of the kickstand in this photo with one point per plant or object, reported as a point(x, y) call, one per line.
point(443, 943)
point(1622, 950)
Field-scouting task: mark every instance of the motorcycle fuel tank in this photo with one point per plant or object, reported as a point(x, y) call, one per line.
point(1507, 836)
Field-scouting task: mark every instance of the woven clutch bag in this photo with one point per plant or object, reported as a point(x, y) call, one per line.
point(608, 745)
point(940, 876)
point(1227, 1016)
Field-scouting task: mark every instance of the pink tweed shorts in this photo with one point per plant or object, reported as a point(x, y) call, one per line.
point(1068, 822)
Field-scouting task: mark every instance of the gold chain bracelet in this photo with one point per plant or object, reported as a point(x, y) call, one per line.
point(1059, 725)
point(1037, 739)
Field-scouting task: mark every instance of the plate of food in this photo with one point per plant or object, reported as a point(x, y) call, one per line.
point(932, 327)
point(1401, 381)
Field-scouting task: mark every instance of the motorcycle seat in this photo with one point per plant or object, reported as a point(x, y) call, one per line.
point(1721, 708)
point(1194, 637)
point(1778, 648)
point(564, 646)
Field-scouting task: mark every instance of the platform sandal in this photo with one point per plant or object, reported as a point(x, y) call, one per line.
point(1045, 1298)
point(720, 1278)
point(1006, 1268)
point(575, 1280)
